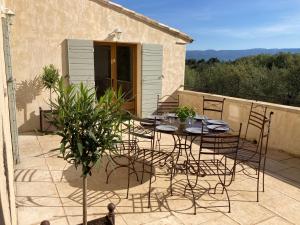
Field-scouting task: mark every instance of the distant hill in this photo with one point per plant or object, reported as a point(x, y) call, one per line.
point(225, 55)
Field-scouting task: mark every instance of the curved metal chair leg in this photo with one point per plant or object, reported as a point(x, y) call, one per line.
point(171, 179)
point(150, 182)
point(257, 188)
point(128, 182)
point(229, 205)
point(143, 171)
point(194, 200)
point(263, 178)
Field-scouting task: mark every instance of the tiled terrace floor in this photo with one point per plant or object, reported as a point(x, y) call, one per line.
point(49, 188)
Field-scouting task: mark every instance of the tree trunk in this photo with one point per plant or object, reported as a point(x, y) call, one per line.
point(84, 200)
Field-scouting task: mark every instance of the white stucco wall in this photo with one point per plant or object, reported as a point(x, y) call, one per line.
point(41, 26)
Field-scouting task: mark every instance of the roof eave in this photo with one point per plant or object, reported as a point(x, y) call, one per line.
point(147, 20)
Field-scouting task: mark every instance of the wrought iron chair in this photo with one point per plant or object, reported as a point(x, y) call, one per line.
point(254, 145)
point(152, 158)
point(220, 161)
point(213, 105)
point(140, 131)
point(133, 131)
point(167, 104)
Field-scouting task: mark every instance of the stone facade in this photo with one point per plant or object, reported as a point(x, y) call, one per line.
point(40, 28)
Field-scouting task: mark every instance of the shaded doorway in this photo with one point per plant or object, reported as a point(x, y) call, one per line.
point(115, 67)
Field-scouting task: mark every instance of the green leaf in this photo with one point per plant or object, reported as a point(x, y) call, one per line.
point(80, 148)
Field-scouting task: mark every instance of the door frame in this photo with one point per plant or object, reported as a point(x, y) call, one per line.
point(114, 71)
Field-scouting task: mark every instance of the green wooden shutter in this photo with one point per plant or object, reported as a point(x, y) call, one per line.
point(81, 61)
point(152, 57)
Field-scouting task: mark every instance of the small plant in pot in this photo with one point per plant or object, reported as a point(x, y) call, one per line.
point(185, 112)
point(50, 77)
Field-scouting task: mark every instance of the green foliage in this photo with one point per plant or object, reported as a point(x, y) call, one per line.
point(273, 78)
point(50, 76)
point(88, 126)
point(185, 112)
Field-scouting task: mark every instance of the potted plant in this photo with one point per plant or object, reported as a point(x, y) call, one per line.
point(49, 78)
point(183, 113)
point(88, 127)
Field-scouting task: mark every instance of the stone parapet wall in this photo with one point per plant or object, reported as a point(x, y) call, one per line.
point(285, 127)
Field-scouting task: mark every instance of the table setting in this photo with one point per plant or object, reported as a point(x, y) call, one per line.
point(186, 122)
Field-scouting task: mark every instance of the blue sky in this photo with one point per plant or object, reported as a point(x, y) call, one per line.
point(228, 24)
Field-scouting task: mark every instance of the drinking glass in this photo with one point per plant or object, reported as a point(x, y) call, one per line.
point(189, 121)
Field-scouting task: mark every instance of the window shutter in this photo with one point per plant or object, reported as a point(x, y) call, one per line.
point(152, 57)
point(81, 61)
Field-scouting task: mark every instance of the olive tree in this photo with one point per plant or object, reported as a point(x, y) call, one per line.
point(88, 127)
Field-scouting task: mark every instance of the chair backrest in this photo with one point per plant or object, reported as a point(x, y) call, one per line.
point(220, 144)
point(266, 134)
point(260, 125)
point(166, 104)
point(213, 105)
point(218, 148)
point(143, 129)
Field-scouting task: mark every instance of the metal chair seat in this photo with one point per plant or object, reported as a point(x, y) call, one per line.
point(209, 168)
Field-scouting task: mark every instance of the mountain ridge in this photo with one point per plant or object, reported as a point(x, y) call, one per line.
point(226, 55)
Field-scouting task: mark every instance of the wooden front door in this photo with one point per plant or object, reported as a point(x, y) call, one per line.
point(115, 67)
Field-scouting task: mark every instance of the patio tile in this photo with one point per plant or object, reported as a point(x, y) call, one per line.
point(60, 188)
point(49, 138)
point(28, 175)
point(50, 146)
point(53, 153)
point(202, 217)
point(247, 192)
point(126, 206)
point(224, 220)
point(31, 151)
point(28, 143)
point(55, 215)
point(283, 187)
point(27, 139)
point(275, 221)
point(32, 163)
point(36, 189)
point(278, 155)
point(94, 199)
point(182, 208)
point(293, 162)
point(245, 212)
point(291, 173)
point(69, 175)
point(65, 190)
point(274, 165)
point(284, 206)
point(57, 163)
point(165, 221)
point(30, 201)
point(78, 219)
point(144, 218)
point(93, 212)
